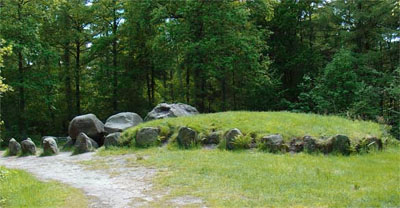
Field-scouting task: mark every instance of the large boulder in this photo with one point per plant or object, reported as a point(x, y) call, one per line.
point(13, 147)
point(273, 143)
point(112, 139)
point(230, 137)
point(49, 146)
point(88, 124)
point(122, 121)
point(147, 136)
point(28, 147)
point(165, 110)
point(187, 137)
point(85, 144)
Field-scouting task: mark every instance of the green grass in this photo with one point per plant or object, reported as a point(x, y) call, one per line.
point(263, 123)
point(258, 179)
point(20, 189)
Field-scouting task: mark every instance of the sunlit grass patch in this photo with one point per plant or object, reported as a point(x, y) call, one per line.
point(20, 189)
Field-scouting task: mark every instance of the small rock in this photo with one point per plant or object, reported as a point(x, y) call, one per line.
point(371, 142)
point(14, 147)
point(85, 144)
point(230, 137)
point(273, 143)
point(187, 137)
point(112, 139)
point(50, 146)
point(55, 138)
point(28, 147)
point(147, 136)
point(296, 145)
point(121, 122)
point(212, 138)
point(325, 145)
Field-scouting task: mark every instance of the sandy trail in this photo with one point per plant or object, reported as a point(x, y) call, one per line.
point(116, 186)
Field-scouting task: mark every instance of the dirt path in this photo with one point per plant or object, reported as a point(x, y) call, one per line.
point(116, 186)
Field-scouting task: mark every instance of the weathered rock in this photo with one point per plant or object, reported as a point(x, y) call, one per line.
point(212, 138)
point(325, 145)
point(296, 145)
point(371, 142)
point(147, 136)
point(44, 137)
point(310, 144)
point(112, 139)
point(230, 137)
point(85, 144)
point(273, 143)
point(88, 124)
point(187, 137)
point(69, 143)
point(341, 144)
point(50, 146)
point(14, 147)
point(122, 121)
point(28, 147)
point(165, 110)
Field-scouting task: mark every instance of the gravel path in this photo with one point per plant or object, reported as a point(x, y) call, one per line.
point(116, 186)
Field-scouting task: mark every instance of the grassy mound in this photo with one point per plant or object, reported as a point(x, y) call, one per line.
point(259, 124)
point(20, 189)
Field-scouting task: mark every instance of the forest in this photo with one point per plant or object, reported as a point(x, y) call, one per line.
point(62, 58)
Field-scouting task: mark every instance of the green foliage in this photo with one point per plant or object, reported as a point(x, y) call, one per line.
point(242, 142)
point(20, 189)
point(257, 179)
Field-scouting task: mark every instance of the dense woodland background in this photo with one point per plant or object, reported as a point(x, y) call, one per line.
point(71, 57)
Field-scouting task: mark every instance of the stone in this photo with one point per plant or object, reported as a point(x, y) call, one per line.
point(371, 142)
point(121, 122)
point(187, 137)
point(165, 110)
point(230, 137)
point(28, 147)
point(212, 138)
point(273, 143)
point(310, 144)
point(341, 144)
point(296, 145)
point(88, 124)
point(325, 145)
point(85, 144)
point(49, 146)
point(112, 139)
point(13, 147)
point(147, 136)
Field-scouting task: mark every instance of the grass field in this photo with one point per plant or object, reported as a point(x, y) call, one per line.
point(20, 189)
point(258, 179)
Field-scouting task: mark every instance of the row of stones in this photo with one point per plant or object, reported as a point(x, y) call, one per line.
point(28, 147)
point(188, 137)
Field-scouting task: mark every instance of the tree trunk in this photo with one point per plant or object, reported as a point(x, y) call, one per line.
point(68, 89)
point(77, 78)
point(22, 127)
point(115, 63)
